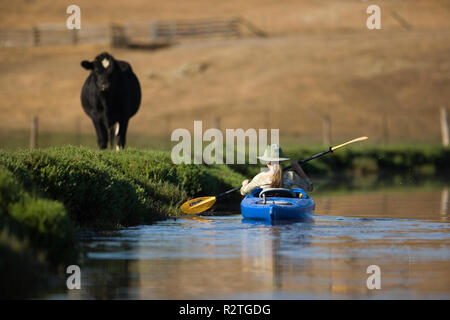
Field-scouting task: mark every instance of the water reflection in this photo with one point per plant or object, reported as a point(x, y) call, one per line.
point(281, 237)
point(403, 232)
point(409, 204)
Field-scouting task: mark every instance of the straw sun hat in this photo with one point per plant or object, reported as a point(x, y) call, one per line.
point(273, 153)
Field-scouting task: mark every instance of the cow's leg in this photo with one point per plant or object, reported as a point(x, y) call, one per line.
point(121, 137)
point(112, 136)
point(102, 134)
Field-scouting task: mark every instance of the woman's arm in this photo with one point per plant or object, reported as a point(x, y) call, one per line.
point(259, 180)
point(299, 170)
point(300, 177)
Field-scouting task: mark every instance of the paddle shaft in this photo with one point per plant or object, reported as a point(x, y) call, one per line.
point(312, 157)
point(227, 192)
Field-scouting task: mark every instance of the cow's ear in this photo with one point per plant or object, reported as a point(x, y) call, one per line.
point(123, 66)
point(87, 65)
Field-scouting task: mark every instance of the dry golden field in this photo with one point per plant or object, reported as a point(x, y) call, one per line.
point(318, 60)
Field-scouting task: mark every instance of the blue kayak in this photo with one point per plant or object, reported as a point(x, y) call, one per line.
point(278, 204)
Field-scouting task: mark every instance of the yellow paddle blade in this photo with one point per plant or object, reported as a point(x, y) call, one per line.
point(198, 205)
point(351, 141)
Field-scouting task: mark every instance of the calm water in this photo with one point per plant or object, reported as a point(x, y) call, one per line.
point(405, 232)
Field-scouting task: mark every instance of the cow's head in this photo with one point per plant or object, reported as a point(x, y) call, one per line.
point(102, 68)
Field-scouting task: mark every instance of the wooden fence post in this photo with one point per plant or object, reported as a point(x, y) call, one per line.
point(326, 125)
point(444, 127)
point(173, 30)
point(217, 122)
point(34, 132)
point(234, 28)
point(36, 36)
point(444, 202)
point(78, 131)
point(74, 36)
point(169, 125)
point(154, 30)
point(118, 36)
point(267, 120)
point(385, 129)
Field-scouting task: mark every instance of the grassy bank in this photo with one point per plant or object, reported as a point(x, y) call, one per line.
point(421, 160)
point(110, 190)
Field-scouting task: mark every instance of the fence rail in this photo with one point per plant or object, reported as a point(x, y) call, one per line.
point(128, 34)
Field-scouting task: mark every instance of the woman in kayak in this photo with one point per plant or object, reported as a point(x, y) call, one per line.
point(275, 177)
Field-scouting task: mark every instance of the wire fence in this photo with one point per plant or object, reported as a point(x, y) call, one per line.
point(324, 131)
point(128, 34)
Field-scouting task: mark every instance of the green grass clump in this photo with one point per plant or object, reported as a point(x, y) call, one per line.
point(36, 236)
point(41, 222)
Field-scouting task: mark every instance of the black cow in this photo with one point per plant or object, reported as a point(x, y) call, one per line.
point(111, 95)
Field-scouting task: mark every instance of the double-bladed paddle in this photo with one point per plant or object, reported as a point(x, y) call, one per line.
point(202, 204)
